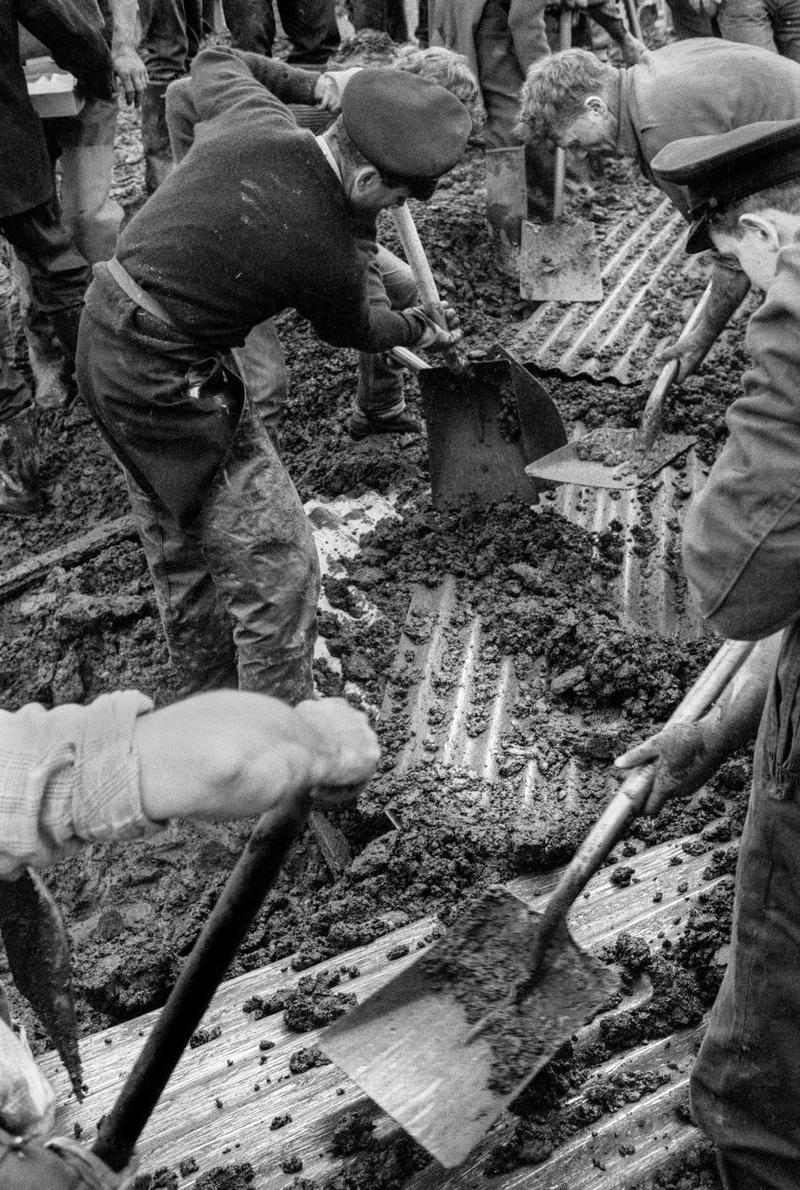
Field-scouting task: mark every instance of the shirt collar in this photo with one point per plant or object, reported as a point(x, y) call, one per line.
point(326, 149)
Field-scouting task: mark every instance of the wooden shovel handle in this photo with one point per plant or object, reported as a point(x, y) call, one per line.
point(635, 790)
point(650, 422)
point(426, 284)
point(564, 43)
point(254, 874)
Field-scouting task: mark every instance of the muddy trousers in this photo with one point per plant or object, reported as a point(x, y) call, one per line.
point(310, 25)
point(237, 590)
point(746, 1082)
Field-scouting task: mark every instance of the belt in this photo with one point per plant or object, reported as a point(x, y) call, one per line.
point(138, 295)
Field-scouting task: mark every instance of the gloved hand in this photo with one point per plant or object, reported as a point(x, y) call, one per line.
point(685, 760)
point(330, 86)
point(347, 747)
point(434, 337)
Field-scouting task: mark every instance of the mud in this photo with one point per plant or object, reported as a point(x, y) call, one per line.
point(589, 684)
point(622, 452)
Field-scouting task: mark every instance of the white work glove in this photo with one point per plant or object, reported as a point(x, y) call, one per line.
point(346, 746)
point(330, 86)
point(707, 8)
point(434, 337)
point(27, 1102)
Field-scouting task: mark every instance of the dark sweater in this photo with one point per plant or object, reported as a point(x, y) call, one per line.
point(254, 220)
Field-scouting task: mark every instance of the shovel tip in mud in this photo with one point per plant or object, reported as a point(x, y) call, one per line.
point(443, 1049)
point(626, 468)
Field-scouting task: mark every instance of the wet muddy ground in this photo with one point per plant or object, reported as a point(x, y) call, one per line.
point(544, 589)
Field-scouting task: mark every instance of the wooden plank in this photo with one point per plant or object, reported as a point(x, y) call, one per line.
point(189, 1122)
point(78, 549)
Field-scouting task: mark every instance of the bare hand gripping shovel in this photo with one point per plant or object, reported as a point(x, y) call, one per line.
point(485, 420)
point(447, 1044)
point(245, 889)
point(612, 458)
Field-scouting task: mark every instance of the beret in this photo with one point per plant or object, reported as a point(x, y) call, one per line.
point(407, 126)
point(720, 170)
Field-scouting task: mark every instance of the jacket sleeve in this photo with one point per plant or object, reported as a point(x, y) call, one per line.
point(741, 543)
point(222, 81)
point(357, 312)
point(76, 43)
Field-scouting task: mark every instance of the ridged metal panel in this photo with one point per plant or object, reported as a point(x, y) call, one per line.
point(616, 338)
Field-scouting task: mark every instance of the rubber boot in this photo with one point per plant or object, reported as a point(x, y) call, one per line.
point(19, 468)
point(155, 137)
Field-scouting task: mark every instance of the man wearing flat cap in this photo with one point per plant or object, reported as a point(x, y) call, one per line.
point(259, 217)
point(741, 553)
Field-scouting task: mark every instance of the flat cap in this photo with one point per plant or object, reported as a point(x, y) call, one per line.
point(721, 170)
point(408, 127)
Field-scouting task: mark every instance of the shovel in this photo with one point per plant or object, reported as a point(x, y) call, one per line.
point(446, 1045)
point(245, 889)
point(559, 261)
point(485, 421)
point(612, 458)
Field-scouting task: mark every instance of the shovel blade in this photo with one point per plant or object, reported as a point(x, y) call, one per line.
point(38, 952)
point(559, 262)
point(483, 428)
point(620, 463)
point(441, 1048)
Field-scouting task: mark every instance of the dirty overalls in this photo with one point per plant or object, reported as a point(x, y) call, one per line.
point(746, 1082)
point(229, 547)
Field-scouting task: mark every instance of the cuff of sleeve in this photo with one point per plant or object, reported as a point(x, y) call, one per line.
point(107, 800)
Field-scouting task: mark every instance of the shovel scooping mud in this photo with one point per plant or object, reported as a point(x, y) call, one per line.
point(614, 458)
point(446, 1045)
point(485, 420)
point(559, 261)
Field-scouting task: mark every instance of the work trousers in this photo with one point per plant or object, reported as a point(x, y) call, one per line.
point(171, 35)
point(59, 274)
point(509, 37)
point(237, 583)
point(771, 24)
point(310, 26)
point(84, 144)
point(262, 362)
point(15, 369)
point(746, 1081)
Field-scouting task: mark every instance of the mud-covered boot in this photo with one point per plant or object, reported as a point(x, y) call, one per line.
point(155, 137)
point(19, 466)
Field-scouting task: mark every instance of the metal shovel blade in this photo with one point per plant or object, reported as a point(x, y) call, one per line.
point(483, 427)
point(443, 1050)
point(559, 262)
point(609, 458)
point(37, 948)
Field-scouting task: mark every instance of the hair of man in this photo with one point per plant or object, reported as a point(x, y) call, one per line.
point(556, 89)
point(450, 70)
point(784, 197)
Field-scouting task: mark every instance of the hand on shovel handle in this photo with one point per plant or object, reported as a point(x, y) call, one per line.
point(626, 804)
point(650, 423)
point(415, 255)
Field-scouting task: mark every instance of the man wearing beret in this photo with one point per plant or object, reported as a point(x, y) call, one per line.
point(259, 217)
point(700, 87)
point(741, 553)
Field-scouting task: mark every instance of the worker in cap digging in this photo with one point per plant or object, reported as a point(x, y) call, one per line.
point(700, 87)
point(259, 217)
point(741, 554)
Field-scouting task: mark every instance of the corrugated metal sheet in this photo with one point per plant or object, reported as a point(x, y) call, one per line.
point(644, 271)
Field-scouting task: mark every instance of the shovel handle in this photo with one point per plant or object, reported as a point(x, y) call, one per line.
point(564, 43)
point(253, 875)
point(635, 789)
point(415, 255)
point(650, 422)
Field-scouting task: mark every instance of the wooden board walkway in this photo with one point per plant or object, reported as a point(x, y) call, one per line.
point(224, 1095)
